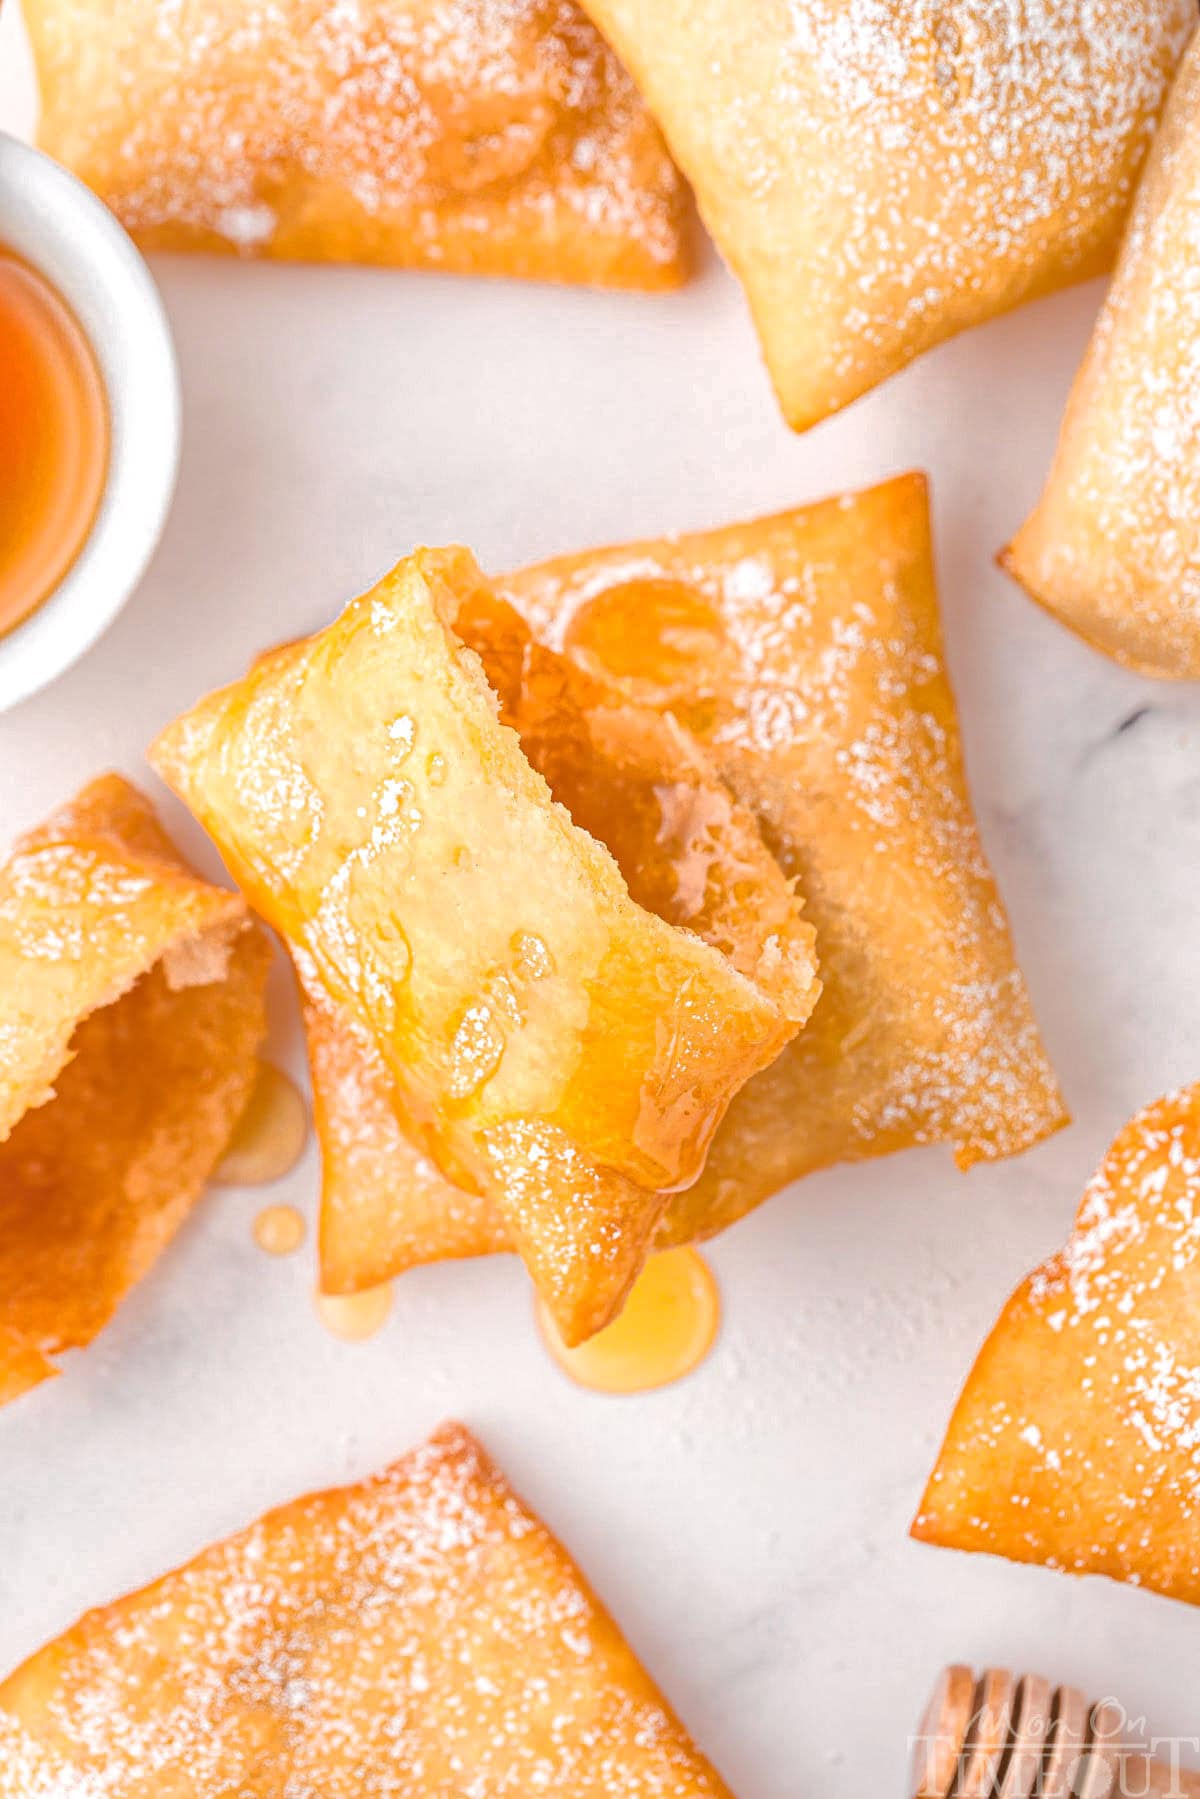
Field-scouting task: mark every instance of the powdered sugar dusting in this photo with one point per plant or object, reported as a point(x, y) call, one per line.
point(882, 173)
point(486, 134)
point(805, 651)
point(1084, 1410)
point(1115, 542)
point(420, 1635)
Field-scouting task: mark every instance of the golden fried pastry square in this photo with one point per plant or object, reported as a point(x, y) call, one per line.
point(1113, 546)
point(804, 651)
point(1076, 1442)
point(420, 1635)
point(131, 1012)
point(688, 851)
point(881, 174)
point(549, 1042)
point(450, 134)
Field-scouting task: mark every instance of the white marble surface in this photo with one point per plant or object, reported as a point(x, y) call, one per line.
point(749, 1526)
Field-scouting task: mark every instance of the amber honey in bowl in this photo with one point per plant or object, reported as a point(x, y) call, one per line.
point(54, 439)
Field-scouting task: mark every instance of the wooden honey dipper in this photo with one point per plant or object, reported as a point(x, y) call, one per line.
point(1007, 1736)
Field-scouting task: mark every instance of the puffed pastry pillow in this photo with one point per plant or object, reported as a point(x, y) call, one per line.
point(1113, 547)
point(547, 1041)
point(418, 1635)
point(804, 652)
point(1076, 1442)
point(452, 134)
point(131, 1012)
point(882, 173)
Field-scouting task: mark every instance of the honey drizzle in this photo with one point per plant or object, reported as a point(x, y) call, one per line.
point(667, 1328)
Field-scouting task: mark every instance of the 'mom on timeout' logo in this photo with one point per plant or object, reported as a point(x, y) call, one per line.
point(1067, 1753)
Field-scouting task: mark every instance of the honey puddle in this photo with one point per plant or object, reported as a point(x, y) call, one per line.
point(279, 1230)
point(270, 1135)
point(668, 1326)
point(355, 1316)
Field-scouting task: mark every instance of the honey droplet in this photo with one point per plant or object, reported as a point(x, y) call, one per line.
point(667, 1328)
point(270, 1136)
point(435, 769)
point(652, 635)
point(355, 1316)
point(279, 1230)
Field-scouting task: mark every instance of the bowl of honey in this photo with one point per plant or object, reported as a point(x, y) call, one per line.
point(89, 419)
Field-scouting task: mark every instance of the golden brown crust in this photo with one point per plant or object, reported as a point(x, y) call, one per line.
point(399, 1635)
point(131, 1011)
point(549, 1043)
point(880, 177)
point(1075, 1441)
point(465, 135)
point(1111, 548)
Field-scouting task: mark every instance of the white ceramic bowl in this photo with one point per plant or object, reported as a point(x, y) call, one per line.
point(54, 223)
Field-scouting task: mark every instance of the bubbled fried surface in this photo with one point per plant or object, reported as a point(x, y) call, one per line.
point(420, 1634)
point(482, 136)
point(131, 1012)
point(550, 1043)
point(1076, 1441)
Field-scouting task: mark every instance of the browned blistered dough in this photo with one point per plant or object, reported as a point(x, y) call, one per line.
point(416, 1635)
point(549, 1043)
point(881, 174)
point(452, 134)
point(131, 1011)
point(1076, 1441)
point(687, 851)
point(805, 652)
point(1113, 546)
